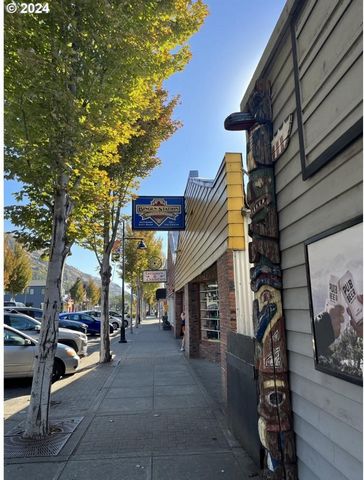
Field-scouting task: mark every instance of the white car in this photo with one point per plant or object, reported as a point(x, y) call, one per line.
point(31, 326)
point(20, 350)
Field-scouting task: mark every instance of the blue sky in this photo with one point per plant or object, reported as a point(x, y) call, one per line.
point(225, 53)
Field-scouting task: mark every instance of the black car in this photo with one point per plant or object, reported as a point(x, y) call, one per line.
point(37, 313)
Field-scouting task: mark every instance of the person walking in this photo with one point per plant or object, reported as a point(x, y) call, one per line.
point(183, 326)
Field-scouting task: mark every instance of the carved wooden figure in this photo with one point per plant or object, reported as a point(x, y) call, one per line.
point(274, 409)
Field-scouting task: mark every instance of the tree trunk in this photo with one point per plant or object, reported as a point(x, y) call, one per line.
point(137, 305)
point(105, 353)
point(37, 420)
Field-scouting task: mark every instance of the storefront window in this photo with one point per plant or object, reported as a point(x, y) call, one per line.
point(209, 311)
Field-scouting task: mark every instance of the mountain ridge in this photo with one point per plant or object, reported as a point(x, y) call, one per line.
point(70, 275)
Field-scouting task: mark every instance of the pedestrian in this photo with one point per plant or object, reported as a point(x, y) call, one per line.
point(183, 326)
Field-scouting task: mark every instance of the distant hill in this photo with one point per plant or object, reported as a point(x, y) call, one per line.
point(39, 268)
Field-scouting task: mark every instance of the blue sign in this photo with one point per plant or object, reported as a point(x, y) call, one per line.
point(158, 213)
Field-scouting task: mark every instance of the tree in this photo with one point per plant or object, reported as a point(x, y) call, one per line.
point(137, 158)
point(9, 264)
point(18, 268)
point(78, 292)
point(76, 82)
point(93, 293)
point(136, 261)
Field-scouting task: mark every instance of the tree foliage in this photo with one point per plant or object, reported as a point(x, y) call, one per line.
point(17, 268)
point(9, 264)
point(77, 291)
point(93, 293)
point(78, 84)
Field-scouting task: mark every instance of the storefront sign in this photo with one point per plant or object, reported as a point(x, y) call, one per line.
point(154, 276)
point(158, 213)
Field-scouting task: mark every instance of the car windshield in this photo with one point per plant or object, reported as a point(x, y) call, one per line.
point(13, 339)
point(21, 322)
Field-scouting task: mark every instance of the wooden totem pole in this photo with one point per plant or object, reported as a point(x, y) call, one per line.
point(274, 409)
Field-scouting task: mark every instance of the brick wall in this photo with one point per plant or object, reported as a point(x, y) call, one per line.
point(192, 311)
point(210, 351)
point(227, 307)
point(195, 347)
point(178, 299)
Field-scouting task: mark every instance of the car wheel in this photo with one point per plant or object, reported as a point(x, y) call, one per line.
point(126, 323)
point(58, 369)
point(115, 325)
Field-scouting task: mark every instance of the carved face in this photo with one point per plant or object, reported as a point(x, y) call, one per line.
point(273, 402)
point(260, 192)
point(260, 151)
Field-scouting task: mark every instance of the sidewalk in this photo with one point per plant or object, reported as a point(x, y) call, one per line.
point(150, 415)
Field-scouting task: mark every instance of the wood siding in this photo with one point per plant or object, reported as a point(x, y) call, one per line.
point(330, 65)
point(214, 222)
point(327, 410)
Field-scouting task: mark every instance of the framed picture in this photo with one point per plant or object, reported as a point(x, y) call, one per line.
point(334, 261)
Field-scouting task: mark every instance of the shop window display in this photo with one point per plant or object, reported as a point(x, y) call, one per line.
point(209, 312)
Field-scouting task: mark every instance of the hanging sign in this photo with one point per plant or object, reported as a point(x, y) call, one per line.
point(154, 276)
point(158, 213)
point(161, 294)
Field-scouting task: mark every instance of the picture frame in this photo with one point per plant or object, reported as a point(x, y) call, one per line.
point(322, 140)
point(334, 267)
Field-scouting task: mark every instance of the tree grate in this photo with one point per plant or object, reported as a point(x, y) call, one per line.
point(15, 446)
point(67, 425)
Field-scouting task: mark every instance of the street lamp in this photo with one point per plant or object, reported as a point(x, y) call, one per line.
point(141, 246)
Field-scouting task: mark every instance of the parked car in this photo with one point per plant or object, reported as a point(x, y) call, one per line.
point(37, 313)
point(116, 314)
point(73, 325)
point(114, 320)
point(31, 326)
point(11, 303)
point(20, 350)
point(93, 324)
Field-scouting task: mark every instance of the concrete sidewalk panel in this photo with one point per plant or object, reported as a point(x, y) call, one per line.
point(110, 469)
point(221, 466)
point(135, 381)
point(153, 432)
point(179, 401)
point(127, 405)
point(164, 390)
point(39, 471)
point(126, 392)
point(171, 379)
